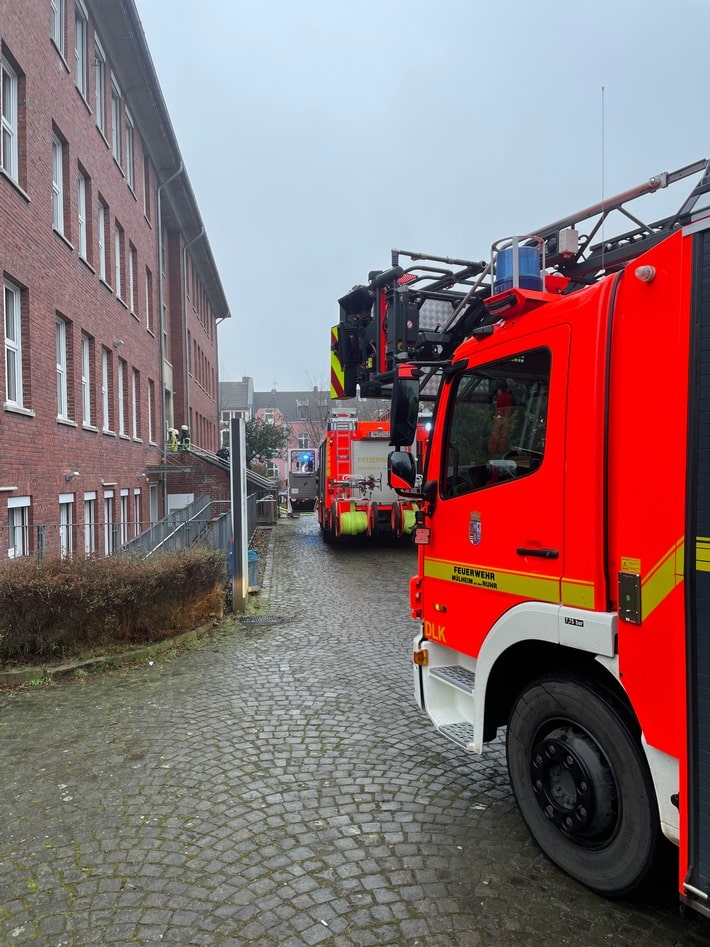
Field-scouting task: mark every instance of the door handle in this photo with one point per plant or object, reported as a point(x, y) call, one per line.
point(540, 553)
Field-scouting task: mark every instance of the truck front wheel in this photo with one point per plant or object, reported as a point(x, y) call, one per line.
point(582, 784)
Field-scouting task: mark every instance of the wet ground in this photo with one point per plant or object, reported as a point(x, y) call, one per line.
point(278, 786)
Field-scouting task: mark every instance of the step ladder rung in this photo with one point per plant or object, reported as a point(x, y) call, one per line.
point(455, 676)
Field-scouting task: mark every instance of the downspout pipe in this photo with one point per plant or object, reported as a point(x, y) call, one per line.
point(161, 295)
point(161, 318)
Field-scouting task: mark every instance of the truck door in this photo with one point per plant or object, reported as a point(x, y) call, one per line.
point(497, 536)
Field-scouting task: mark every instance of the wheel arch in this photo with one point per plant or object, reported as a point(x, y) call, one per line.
point(524, 662)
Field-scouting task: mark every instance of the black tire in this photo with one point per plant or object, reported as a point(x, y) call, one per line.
point(582, 784)
point(374, 519)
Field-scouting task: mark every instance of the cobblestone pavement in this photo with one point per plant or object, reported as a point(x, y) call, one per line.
point(278, 787)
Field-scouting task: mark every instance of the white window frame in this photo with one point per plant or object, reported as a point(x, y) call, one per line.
point(81, 213)
point(62, 390)
point(57, 185)
point(90, 523)
point(86, 380)
point(106, 419)
point(135, 428)
point(9, 153)
point(56, 29)
point(132, 263)
point(136, 511)
point(130, 151)
point(102, 240)
point(121, 396)
point(148, 299)
point(116, 121)
point(100, 86)
point(117, 247)
point(108, 523)
point(124, 521)
point(151, 408)
point(12, 306)
point(18, 518)
point(81, 49)
point(66, 525)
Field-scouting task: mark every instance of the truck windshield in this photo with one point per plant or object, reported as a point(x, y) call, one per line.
point(497, 421)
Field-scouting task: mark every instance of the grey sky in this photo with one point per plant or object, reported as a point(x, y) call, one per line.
point(320, 134)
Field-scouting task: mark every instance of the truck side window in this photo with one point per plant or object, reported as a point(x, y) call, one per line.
point(497, 420)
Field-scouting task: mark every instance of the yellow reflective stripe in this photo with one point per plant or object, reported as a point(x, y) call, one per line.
point(702, 554)
point(541, 588)
point(662, 579)
point(577, 593)
point(337, 373)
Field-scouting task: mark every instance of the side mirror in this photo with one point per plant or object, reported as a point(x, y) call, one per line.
point(405, 406)
point(401, 470)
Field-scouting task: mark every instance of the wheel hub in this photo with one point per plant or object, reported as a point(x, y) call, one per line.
point(574, 786)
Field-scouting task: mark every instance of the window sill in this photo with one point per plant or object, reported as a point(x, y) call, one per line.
point(123, 437)
point(63, 238)
point(83, 98)
point(18, 409)
point(67, 422)
point(61, 55)
point(135, 316)
point(122, 302)
point(106, 285)
point(108, 432)
point(90, 427)
point(87, 264)
point(100, 130)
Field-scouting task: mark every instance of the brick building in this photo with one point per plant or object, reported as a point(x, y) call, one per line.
point(305, 412)
point(111, 296)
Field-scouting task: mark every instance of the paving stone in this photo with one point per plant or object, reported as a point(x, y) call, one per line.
point(277, 786)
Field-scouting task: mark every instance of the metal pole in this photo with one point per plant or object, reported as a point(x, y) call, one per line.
point(237, 459)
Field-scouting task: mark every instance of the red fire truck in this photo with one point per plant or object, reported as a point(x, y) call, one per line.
point(354, 498)
point(563, 579)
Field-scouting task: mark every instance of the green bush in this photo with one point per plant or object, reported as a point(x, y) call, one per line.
point(62, 606)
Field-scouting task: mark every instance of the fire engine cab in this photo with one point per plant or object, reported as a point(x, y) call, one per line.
point(563, 522)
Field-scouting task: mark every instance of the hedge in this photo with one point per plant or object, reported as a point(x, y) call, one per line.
point(60, 607)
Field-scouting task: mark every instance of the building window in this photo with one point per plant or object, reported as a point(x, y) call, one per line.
point(149, 300)
point(100, 87)
point(269, 416)
point(132, 268)
point(109, 536)
point(146, 187)
point(62, 392)
point(116, 121)
point(57, 24)
point(81, 46)
point(122, 396)
point(86, 380)
point(18, 518)
point(13, 345)
point(151, 411)
point(89, 524)
point(130, 138)
point(66, 526)
point(302, 441)
point(101, 228)
point(135, 401)
point(136, 512)
point(106, 389)
point(10, 149)
point(118, 240)
point(81, 212)
point(124, 517)
point(58, 184)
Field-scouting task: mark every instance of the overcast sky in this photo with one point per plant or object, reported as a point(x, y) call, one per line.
point(320, 134)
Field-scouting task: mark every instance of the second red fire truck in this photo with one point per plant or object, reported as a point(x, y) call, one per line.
point(354, 498)
point(563, 523)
